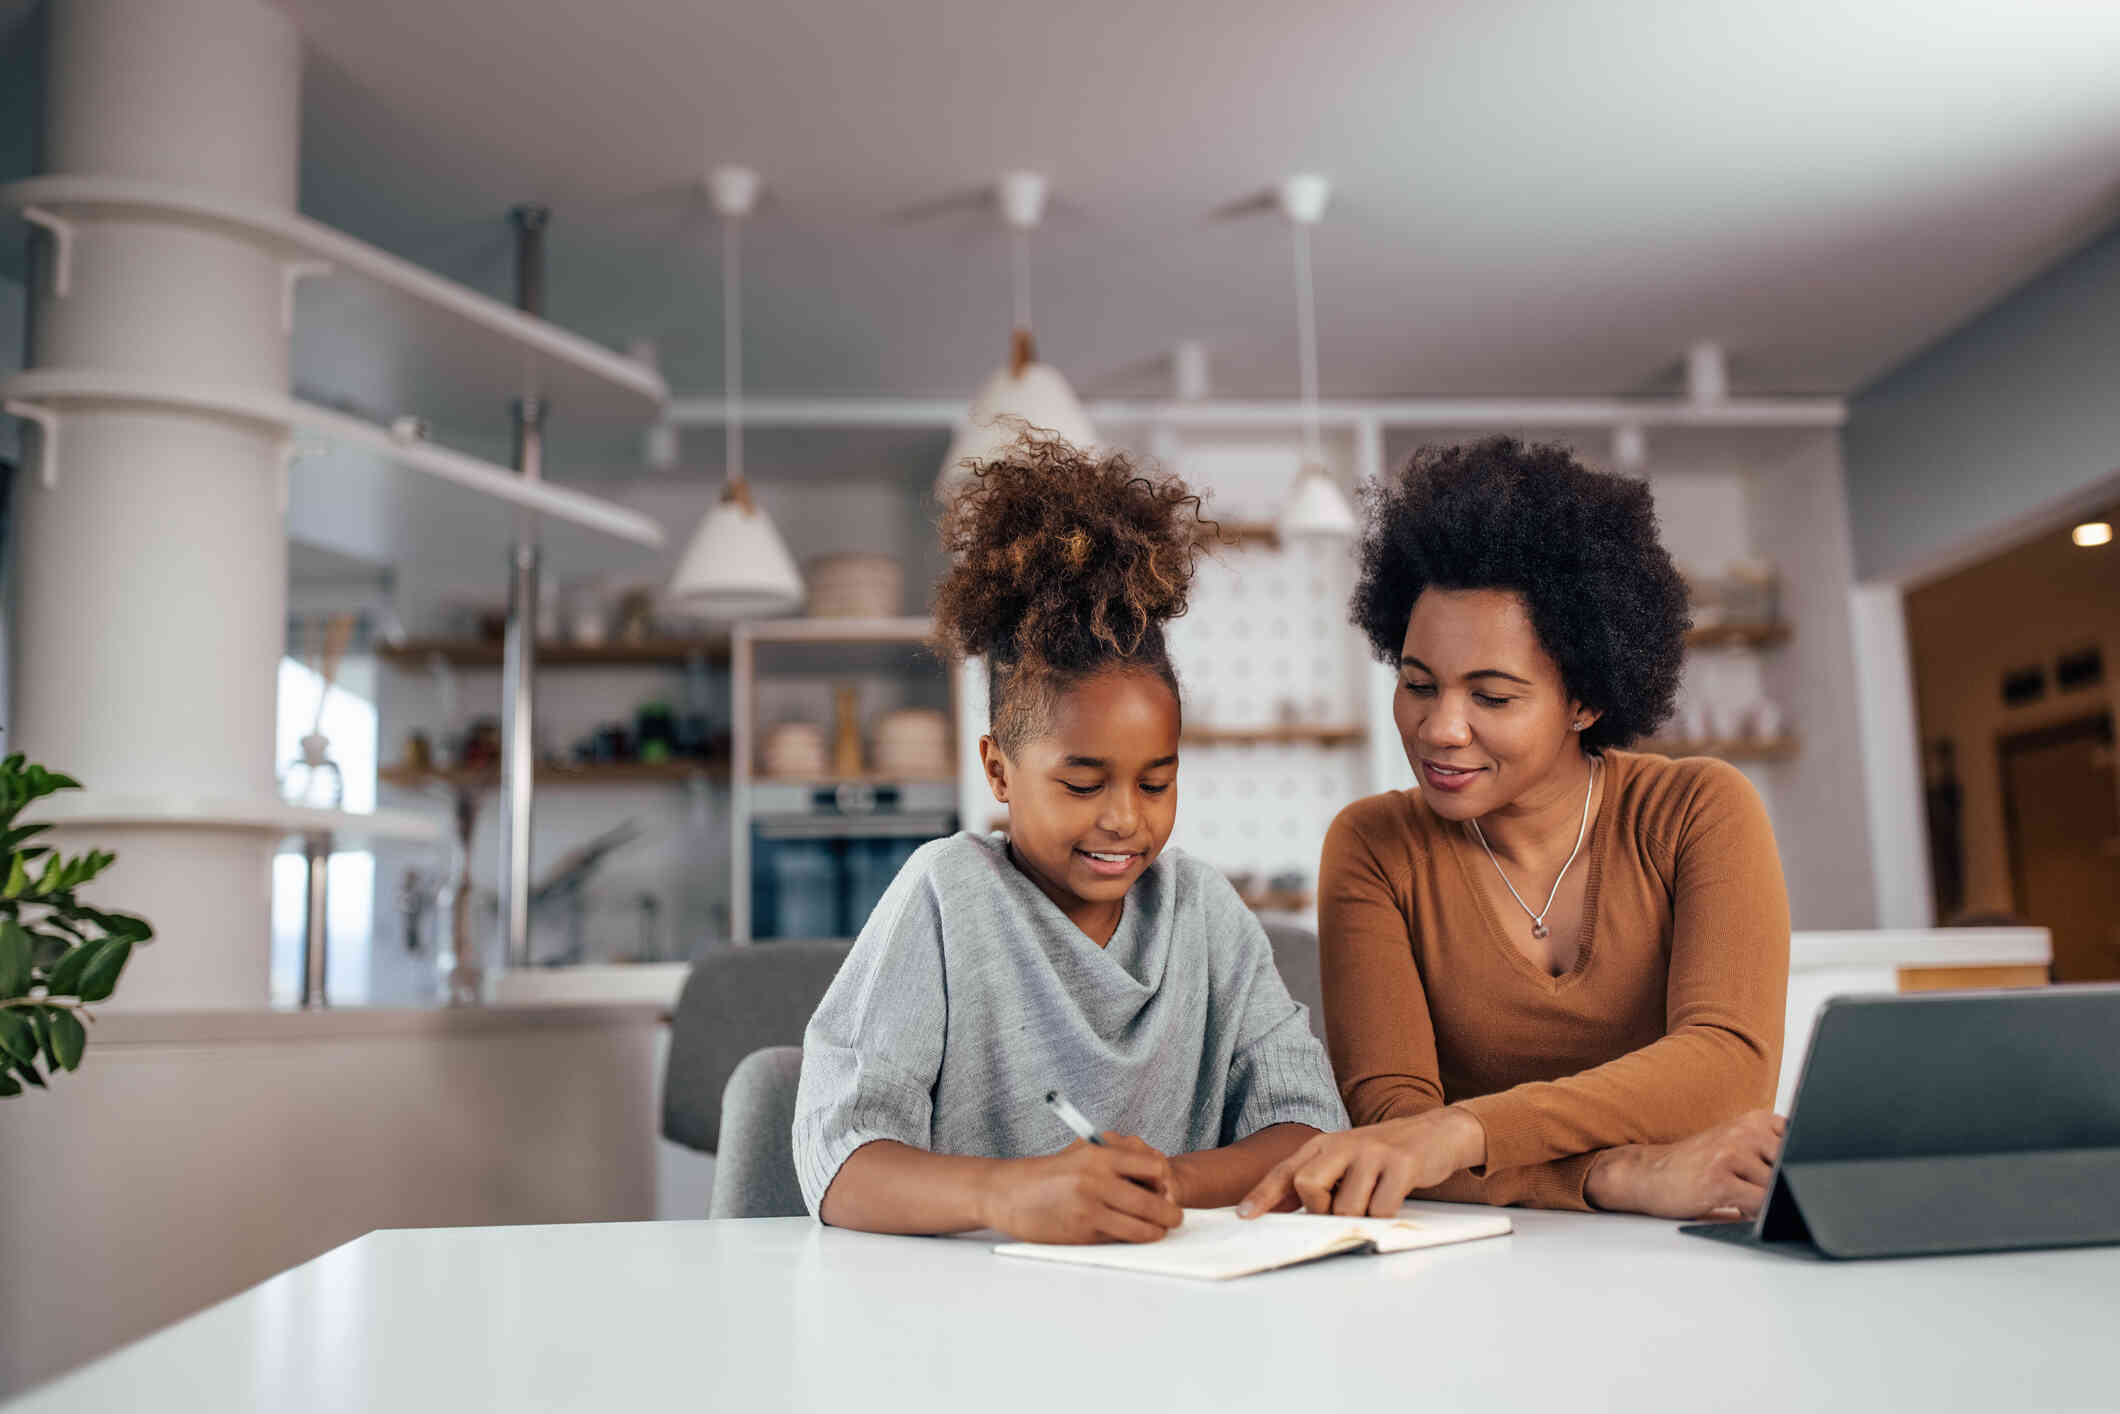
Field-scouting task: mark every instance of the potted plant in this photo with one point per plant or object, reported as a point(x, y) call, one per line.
point(57, 954)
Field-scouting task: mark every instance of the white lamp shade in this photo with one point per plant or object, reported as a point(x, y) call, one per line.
point(1316, 509)
point(736, 566)
point(1036, 396)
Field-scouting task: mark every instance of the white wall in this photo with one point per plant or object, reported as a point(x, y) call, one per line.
point(1798, 516)
point(1993, 430)
point(14, 317)
point(1266, 635)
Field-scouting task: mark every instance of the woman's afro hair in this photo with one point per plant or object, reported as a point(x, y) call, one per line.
point(1580, 546)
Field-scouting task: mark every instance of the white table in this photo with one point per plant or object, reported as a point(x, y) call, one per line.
point(1572, 1313)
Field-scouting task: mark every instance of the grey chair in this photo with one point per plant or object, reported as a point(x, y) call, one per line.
point(1295, 954)
point(754, 1173)
point(735, 1001)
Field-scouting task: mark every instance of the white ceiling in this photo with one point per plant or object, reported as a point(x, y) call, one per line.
point(1531, 196)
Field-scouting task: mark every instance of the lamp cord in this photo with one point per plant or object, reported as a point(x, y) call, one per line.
point(1307, 337)
point(1020, 250)
point(732, 343)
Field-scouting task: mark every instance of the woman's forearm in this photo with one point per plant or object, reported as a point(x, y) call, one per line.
point(886, 1186)
point(1216, 1178)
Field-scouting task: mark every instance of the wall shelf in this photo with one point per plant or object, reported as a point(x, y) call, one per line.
point(1779, 749)
point(798, 648)
point(486, 653)
point(914, 630)
point(349, 829)
point(1738, 636)
point(453, 491)
point(356, 284)
point(860, 778)
point(1241, 535)
point(1274, 736)
point(598, 773)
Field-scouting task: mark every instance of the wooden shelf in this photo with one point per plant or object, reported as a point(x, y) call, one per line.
point(863, 778)
point(606, 773)
point(1275, 902)
point(1241, 535)
point(1738, 636)
point(914, 630)
point(1780, 749)
point(1274, 736)
point(486, 652)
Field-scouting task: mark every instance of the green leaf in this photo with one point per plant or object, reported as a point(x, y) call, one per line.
point(64, 980)
point(121, 925)
point(54, 868)
point(82, 868)
point(69, 1036)
point(18, 1039)
point(17, 879)
point(46, 949)
point(100, 977)
point(41, 1024)
point(15, 949)
point(13, 838)
point(13, 763)
point(28, 1071)
point(8, 1085)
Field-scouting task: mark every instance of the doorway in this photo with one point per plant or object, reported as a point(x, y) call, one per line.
point(2061, 811)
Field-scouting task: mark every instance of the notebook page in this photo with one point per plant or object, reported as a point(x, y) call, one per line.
point(1214, 1244)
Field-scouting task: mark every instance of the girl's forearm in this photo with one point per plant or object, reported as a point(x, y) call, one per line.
point(1216, 1178)
point(885, 1186)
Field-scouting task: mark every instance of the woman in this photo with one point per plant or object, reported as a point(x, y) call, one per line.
point(1555, 974)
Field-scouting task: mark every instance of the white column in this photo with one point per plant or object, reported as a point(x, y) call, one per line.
point(151, 599)
point(1891, 758)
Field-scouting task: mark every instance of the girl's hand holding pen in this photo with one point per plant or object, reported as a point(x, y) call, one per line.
point(1117, 1190)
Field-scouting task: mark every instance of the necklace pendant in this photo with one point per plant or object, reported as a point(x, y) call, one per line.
point(1538, 929)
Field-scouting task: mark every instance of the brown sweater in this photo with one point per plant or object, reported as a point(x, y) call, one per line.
point(1670, 1022)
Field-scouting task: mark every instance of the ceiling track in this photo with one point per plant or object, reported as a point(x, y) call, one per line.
point(1466, 413)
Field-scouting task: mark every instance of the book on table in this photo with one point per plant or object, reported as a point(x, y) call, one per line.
point(1214, 1244)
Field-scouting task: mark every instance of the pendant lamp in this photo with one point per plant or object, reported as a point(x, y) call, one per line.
point(1023, 394)
point(736, 566)
point(1316, 508)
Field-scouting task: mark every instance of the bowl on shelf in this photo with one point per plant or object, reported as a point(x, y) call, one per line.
point(795, 751)
point(912, 742)
point(854, 586)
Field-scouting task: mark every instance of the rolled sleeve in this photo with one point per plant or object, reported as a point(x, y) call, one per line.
point(1278, 1073)
point(873, 1049)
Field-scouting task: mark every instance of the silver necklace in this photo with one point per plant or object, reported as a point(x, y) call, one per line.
point(1538, 919)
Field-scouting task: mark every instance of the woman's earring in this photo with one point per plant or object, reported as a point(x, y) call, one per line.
point(1578, 726)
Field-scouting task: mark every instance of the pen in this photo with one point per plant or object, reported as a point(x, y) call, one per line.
point(1072, 1117)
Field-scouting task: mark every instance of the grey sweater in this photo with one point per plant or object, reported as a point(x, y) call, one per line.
point(969, 994)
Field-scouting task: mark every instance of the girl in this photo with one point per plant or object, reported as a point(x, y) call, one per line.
point(1071, 951)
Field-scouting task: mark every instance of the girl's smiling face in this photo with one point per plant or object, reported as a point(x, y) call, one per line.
point(1092, 798)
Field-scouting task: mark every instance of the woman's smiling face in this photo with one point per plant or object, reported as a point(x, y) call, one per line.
point(1480, 704)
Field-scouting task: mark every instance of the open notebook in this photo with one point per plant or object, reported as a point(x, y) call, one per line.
point(1214, 1244)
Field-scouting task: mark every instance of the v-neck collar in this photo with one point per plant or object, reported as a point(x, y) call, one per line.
point(1123, 952)
point(1466, 851)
